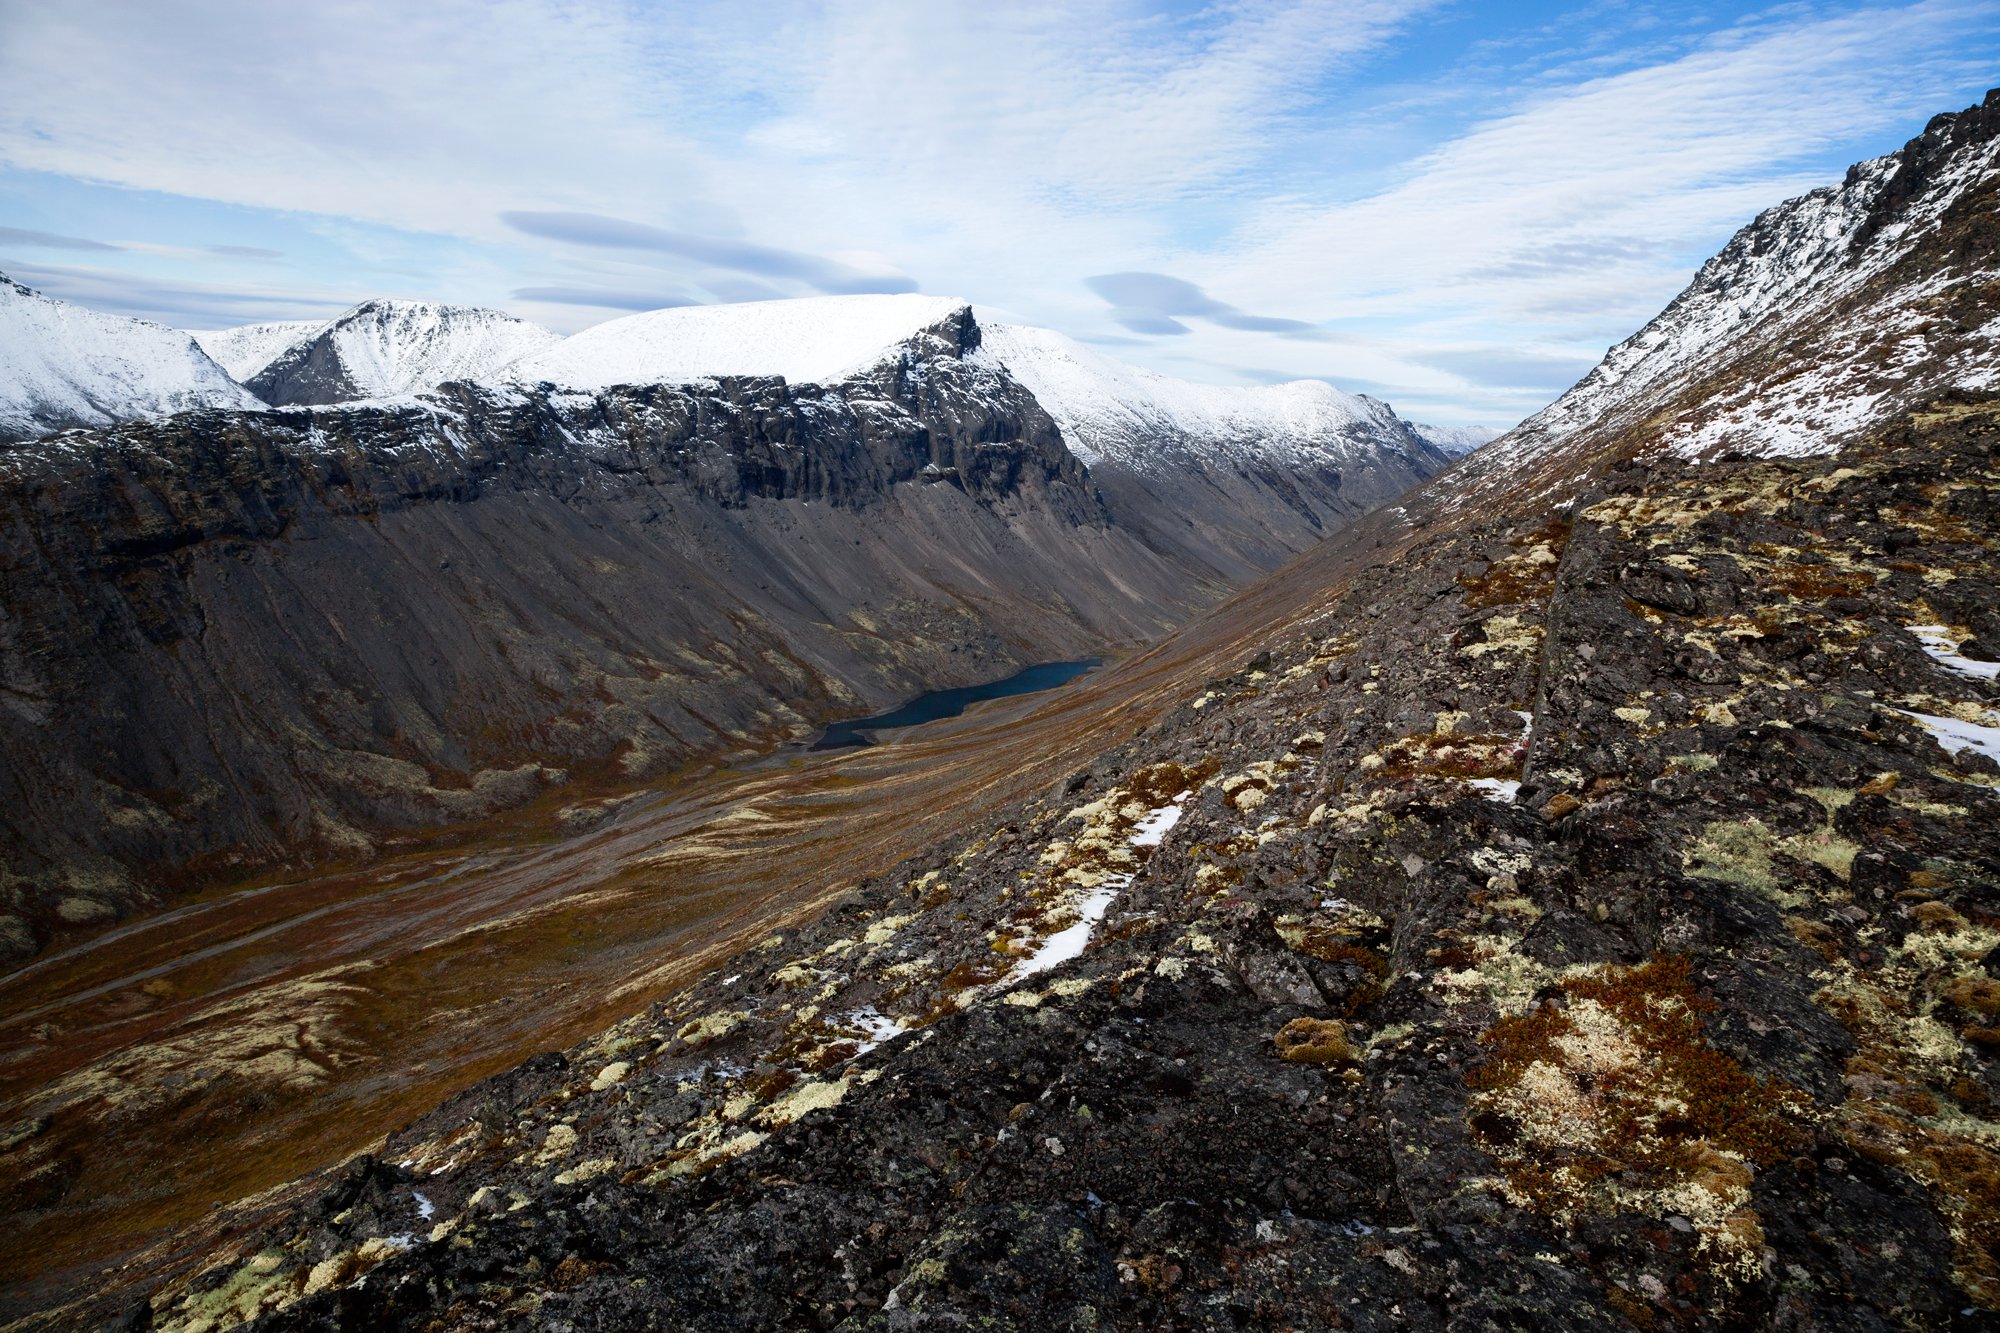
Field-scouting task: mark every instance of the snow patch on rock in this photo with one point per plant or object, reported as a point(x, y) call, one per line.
point(1942, 646)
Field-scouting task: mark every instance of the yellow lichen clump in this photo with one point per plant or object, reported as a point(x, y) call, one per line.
point(1314, 1041)
point(1613, 1100)
point(1450, 754)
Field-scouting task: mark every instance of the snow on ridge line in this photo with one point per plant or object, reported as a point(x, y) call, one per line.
point(1107, 408)
point(380, 349)
point(392, 347)
point(1456, 441)
point(1785, 268)
point(819, 340)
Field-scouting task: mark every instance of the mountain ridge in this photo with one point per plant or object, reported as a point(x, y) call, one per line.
point(1820, 379)
point(388, 348)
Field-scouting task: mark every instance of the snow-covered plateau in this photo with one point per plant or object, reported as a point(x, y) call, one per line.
point(815, 340)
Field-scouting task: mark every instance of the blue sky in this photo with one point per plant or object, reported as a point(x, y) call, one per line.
point(1453, 206)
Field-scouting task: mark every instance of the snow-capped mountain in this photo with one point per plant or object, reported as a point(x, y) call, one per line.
point(247, 349)
point(812, 340)
point(1110, 411)
point(1456, 441)
point(1825, 316)
point(1226, 478)
point(65, 365)
point(1106, 409)
point(1202, 469)
point(380, 349)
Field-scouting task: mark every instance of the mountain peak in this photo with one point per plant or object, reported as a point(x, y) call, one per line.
point(381, 348)
point(1109, 409)
point(1818, 321)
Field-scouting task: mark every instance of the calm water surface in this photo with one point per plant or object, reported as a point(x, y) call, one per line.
point(950, 703)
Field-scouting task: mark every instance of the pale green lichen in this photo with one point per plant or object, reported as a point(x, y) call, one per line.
point(709, 1027)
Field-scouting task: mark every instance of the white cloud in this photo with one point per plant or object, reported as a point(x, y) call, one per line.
point(1003, 153)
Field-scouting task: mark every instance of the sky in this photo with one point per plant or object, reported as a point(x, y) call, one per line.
point(1456, 207)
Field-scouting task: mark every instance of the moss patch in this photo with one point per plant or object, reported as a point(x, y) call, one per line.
point(1611, 1099)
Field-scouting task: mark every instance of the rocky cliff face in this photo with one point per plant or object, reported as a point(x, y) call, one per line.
point(246, 636)
point(1573, 906)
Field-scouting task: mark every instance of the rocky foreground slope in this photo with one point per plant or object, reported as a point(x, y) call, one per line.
point(1583, 922)
point(1514, 914)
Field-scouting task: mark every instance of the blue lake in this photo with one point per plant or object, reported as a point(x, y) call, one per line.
point(950, 703)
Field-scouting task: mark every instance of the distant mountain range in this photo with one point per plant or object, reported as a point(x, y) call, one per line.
point(105, 369)
point(443, 560)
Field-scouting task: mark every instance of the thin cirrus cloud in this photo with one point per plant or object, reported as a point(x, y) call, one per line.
point(730, 287)
point(48, 240)
point(604, 298)
point(185, 304)
point(1155, 304)
point(1498, 366)
point(763, 261)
